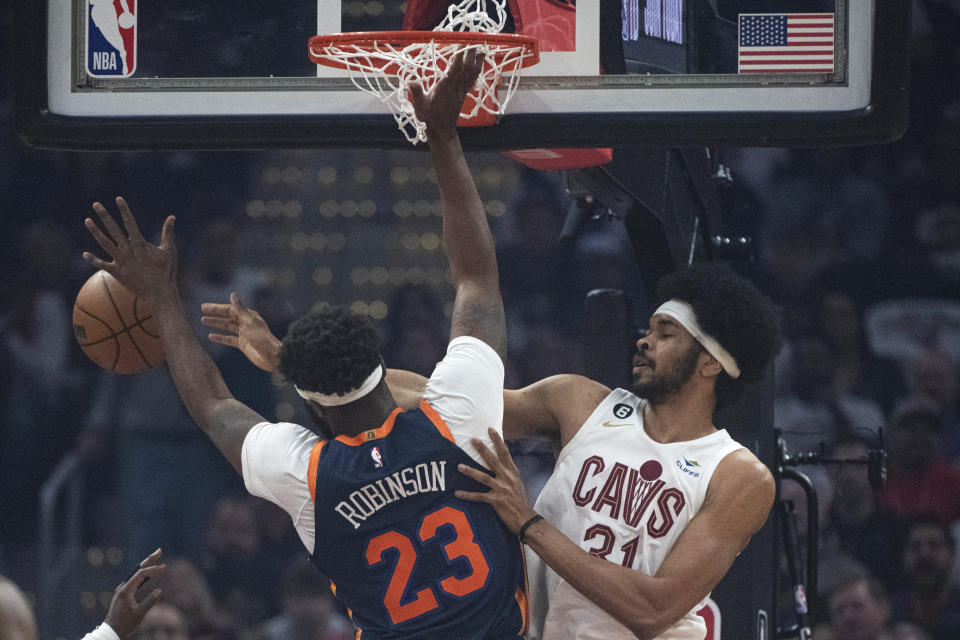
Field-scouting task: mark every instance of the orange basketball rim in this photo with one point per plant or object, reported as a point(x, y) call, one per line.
point(385, 63)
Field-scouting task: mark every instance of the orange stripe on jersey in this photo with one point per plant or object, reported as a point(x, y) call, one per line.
point(521, 594)
point(333, 589)
point(521, 597)
point(437, 421)
point(372, 434)
point(312, 468)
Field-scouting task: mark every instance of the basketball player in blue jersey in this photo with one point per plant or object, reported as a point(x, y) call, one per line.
point(376, 504)
point(649, 502)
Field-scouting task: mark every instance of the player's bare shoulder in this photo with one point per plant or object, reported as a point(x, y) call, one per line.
point(556, 406)
point(743, 484)
point(581, 395)
point(573, 399)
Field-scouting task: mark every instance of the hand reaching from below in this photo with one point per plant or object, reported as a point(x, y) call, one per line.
point(440, 108)
point(244, 329)
point(150, 271)
point(126, 613)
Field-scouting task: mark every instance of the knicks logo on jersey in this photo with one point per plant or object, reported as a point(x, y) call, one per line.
point(111, 38)
point(629, 494)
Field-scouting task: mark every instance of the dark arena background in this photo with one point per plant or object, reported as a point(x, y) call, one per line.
point(850, 223)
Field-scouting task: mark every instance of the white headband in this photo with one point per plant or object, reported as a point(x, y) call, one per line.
point(683, 313)
point(336, 399)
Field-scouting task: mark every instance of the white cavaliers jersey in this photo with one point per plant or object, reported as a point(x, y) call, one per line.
point(624, 497)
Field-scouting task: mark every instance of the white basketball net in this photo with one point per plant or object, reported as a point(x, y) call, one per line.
point(386, 70)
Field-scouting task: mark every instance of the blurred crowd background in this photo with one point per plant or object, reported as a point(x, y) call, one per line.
point(860, 247)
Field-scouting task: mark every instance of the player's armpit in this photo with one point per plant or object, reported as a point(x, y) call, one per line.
point(228, 422)
point(554, 407)
point(479, 314)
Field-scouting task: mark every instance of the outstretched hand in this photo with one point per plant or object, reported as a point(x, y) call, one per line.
point(126, 613)
point(440, 108)
point(147, 270)
point(244, 329)
point(507, 495)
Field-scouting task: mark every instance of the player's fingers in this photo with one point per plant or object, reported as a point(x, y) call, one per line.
point(105, 242)
point(416, 92)
point(145, 574)
point(148, 602)
point(168, 235)
point(470, 61)
point(473, 496)
point(459, 68)
point(216, 322)
point(152, 559)
point(236, 303)
point(226, 340)
point(460, 60)
point(475, 63)
point(483, 478)
point(97, 263)
point(129, 222)
point(128, 588)
point(215, 309)
point(500, 447)
point(118, 236)
point(493, 463)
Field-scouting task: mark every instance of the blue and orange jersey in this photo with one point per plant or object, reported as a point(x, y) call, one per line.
point(404, 555)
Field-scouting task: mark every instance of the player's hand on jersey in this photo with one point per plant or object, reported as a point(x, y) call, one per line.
point(507, 495)
point(244, 329)
point(126, 612)
point(150, 271)
point(440, 108)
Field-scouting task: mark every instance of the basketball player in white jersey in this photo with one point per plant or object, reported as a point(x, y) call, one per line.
point(649, 502)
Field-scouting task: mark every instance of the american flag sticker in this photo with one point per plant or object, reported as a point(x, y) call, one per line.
point(111, 38)
point(785, 43)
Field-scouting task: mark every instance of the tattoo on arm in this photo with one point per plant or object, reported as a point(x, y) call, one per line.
point(230, 421)
point(482, 319)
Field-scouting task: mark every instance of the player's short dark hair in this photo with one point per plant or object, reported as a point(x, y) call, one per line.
point(732, 310)
point(330, 351)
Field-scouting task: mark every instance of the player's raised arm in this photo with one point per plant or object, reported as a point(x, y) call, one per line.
point(151, 272)
point(478, 308)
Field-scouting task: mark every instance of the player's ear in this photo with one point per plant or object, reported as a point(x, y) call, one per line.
point(710, 367)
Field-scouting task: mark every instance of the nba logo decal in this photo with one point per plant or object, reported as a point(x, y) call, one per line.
point(377, 457)
point(111, 38)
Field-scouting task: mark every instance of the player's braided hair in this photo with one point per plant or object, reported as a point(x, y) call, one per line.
point(732, 310)
point(330, 351)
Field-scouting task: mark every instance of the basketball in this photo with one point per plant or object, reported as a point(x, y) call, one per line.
point(125, 20)
point(115, 328)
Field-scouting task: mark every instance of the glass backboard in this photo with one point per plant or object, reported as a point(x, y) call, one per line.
point(114, 74)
